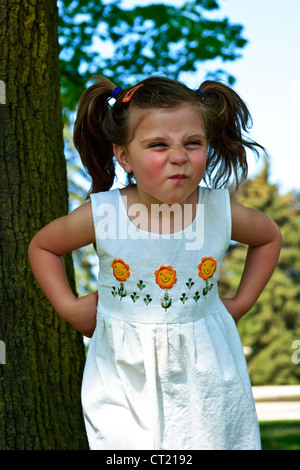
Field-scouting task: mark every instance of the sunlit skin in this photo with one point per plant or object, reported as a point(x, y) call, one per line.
point(167, 156)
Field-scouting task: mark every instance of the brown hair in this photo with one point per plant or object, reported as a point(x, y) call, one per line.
point(99, 125)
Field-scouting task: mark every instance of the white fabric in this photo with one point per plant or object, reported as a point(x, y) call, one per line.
point(171, 377)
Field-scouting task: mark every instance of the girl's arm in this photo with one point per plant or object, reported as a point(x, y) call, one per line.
point(263, 237)
point(45, 254)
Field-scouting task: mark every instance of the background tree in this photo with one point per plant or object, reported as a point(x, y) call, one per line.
point(270, 328)
point(40, 382)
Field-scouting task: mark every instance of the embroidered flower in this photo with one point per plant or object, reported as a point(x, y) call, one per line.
point(120, 269)
point(207, 267)
point(165, 277)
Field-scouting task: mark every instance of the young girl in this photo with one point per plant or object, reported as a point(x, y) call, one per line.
point(165, 367)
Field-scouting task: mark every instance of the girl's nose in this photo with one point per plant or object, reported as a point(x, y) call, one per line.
point(178, 155)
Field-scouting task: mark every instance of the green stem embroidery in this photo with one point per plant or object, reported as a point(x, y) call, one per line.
point(190, 283)
point(122, 291)
point(147, 299)
point(114, 291)
point(141, 285)
point(134, 296)
point(207, 288)
point(183, 298)
point(166, 301)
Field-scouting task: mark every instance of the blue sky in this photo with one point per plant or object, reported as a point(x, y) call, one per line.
point(268, 78)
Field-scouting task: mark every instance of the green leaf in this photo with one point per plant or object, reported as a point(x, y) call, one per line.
point(143, 40)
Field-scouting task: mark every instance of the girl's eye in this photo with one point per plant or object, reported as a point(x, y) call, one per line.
point(161, 145)
point(195, 143)
point(157, 145)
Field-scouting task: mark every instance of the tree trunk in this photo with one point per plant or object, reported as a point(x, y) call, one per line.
point(41, 356)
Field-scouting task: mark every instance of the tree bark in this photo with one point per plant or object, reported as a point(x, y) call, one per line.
point(41, 378)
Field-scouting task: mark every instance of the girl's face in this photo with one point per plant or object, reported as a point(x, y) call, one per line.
point(167, 154)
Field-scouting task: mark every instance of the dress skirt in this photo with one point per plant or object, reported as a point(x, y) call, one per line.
point(169, 386)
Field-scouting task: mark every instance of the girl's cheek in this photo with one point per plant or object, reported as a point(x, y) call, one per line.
point(158, 162)
point(155, 167)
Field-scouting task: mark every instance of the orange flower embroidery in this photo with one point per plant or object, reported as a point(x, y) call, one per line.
point(120, 269)
point(207, 267)
point(165, 277)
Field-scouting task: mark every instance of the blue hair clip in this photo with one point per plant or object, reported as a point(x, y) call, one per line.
point(200, 91)
point(116, 92)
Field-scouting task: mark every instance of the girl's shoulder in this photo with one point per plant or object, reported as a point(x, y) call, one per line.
point(79, 225)
point(251, 226)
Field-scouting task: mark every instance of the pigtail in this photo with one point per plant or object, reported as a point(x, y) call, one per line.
point(226, 117)
point(94, 146)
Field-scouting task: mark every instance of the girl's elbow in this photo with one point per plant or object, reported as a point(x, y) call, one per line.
point(277, 234)
point(32, 247)
point(276, 239)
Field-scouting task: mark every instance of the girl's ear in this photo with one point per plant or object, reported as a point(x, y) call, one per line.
point(121, 155)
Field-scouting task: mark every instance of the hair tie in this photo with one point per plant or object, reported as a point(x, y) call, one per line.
point(130, 93)
point(201, 93)
point(116, 92)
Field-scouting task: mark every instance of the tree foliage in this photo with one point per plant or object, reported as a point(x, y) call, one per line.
point(129, 44)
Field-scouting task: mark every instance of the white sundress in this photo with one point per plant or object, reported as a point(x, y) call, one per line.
point(165, 367)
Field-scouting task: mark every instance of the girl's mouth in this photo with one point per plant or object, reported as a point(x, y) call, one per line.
point(178, 177)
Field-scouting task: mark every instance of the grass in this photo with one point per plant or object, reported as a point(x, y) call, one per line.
point(280, 435)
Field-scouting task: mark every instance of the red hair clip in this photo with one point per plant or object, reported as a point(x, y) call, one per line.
point(129, 94)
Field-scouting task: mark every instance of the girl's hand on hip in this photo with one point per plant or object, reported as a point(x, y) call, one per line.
point(233, 309)
point(84, 317)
